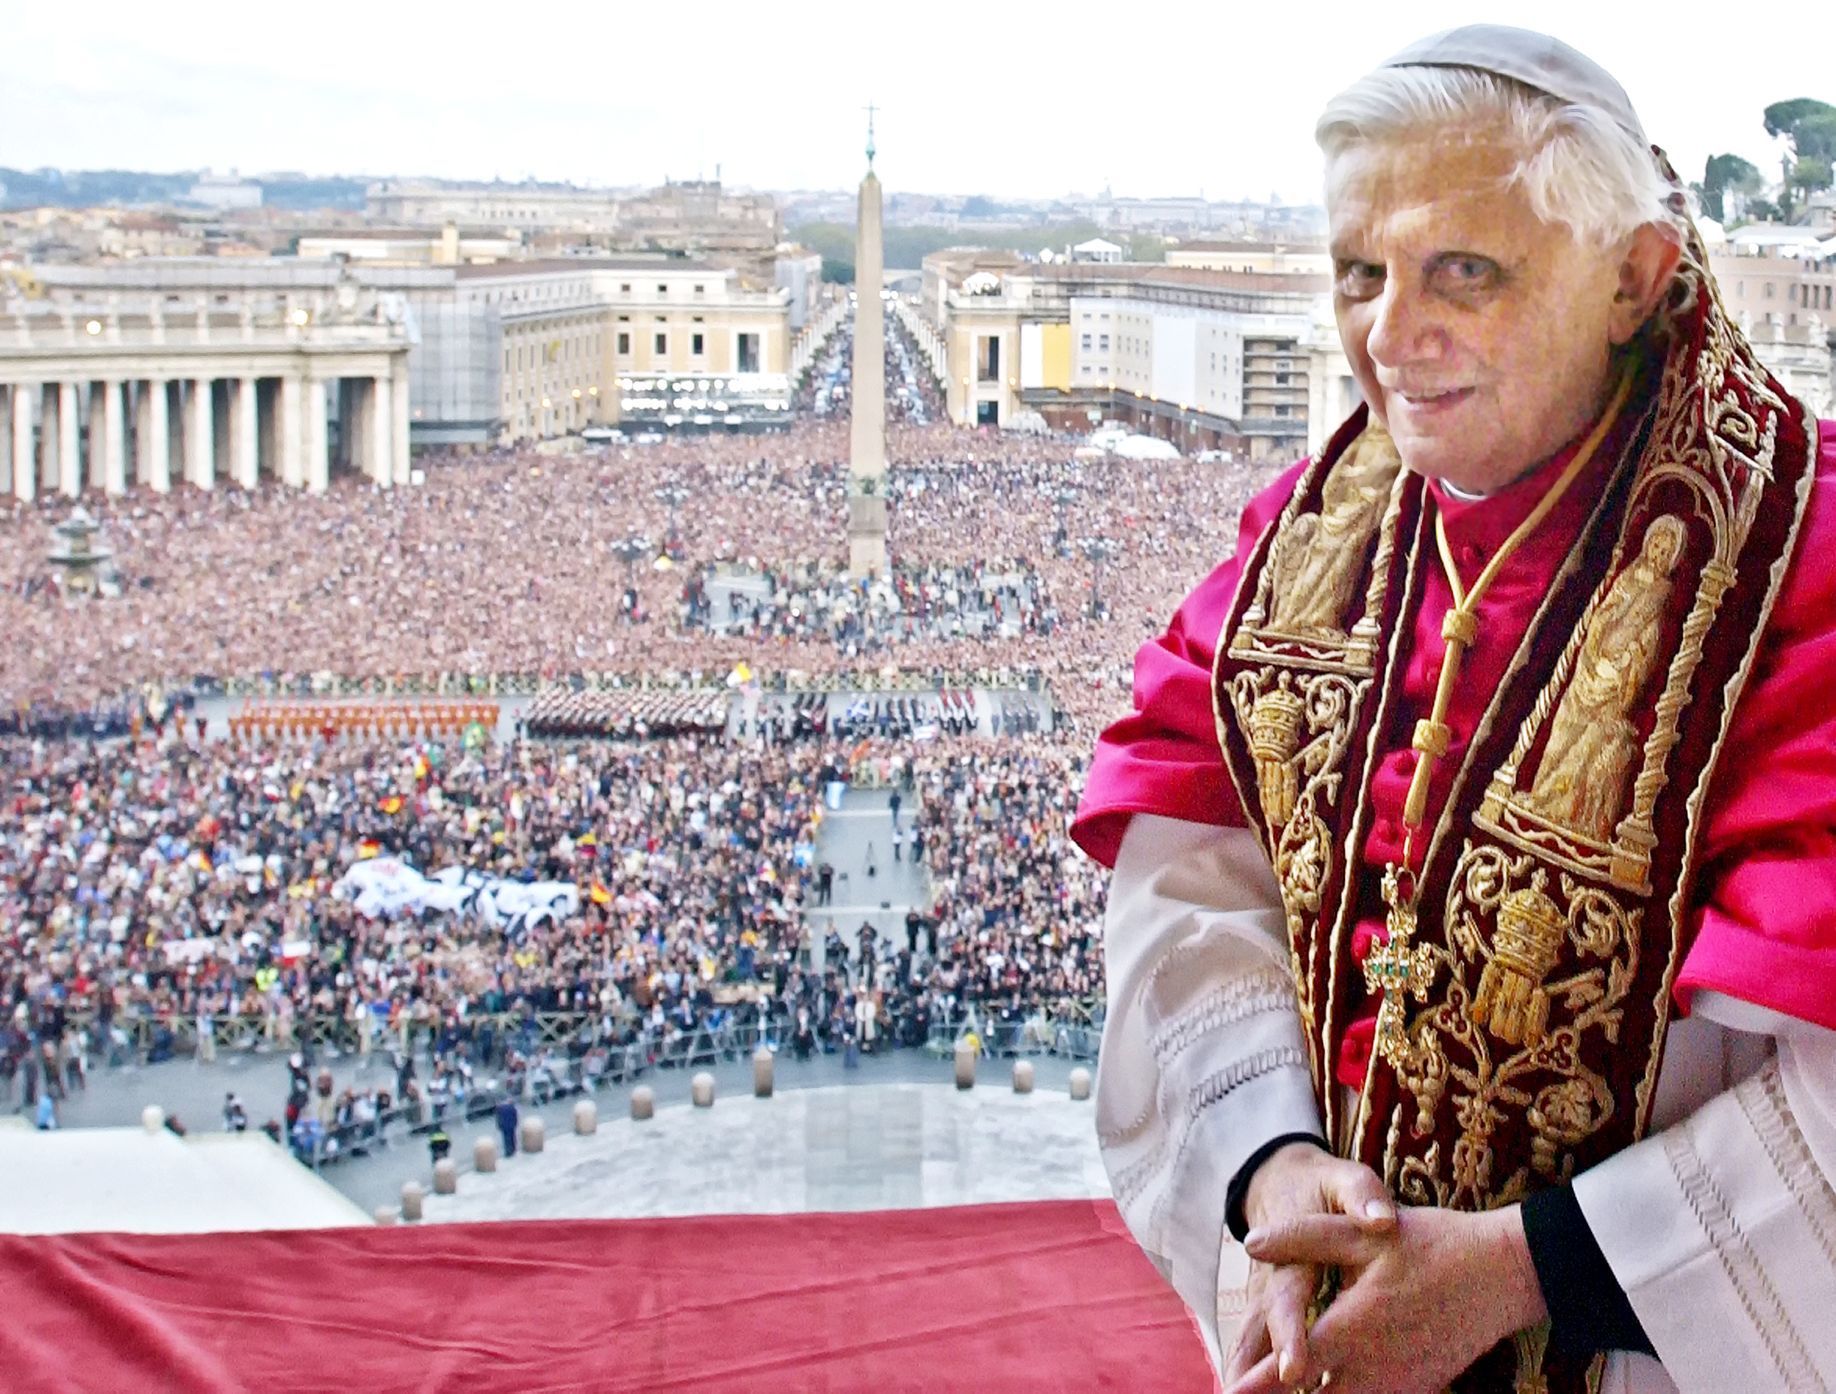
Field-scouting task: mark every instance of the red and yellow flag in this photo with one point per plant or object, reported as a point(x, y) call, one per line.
point(368, 848)
point(392, 804)
point(600, 895)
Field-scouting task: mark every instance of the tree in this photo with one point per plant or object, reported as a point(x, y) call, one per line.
point(1725, 172)
point(1808, 128)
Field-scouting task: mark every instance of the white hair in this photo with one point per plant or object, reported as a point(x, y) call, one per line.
point(1578, 166)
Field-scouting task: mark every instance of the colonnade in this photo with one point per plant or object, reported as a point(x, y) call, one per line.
point(65, 435)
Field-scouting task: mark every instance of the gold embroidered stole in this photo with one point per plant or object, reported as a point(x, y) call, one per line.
point(1555, 892)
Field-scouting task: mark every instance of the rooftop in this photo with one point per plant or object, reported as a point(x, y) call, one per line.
point(556, 265)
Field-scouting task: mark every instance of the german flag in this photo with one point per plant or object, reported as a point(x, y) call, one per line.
point(392, 804)
point(368, 848)
point(600, 895)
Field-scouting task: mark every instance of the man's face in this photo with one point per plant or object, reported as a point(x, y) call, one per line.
point(1479, 334)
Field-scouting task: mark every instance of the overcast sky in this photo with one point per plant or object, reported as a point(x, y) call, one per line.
point(984, 97)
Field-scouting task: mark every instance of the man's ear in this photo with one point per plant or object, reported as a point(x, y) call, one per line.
point(1645, 274)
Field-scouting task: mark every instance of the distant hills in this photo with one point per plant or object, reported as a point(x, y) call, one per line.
point(89, 188)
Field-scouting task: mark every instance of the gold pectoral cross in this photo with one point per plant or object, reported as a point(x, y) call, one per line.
point(1398, 968)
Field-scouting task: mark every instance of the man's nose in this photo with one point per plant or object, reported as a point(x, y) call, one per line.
point(1407, 328)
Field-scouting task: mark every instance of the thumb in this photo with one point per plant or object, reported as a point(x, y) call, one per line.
point(1355, 1190)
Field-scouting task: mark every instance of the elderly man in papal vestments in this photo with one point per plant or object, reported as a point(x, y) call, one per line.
point(1472, 937)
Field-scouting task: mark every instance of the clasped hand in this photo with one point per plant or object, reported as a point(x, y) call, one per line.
point(1423, 1292)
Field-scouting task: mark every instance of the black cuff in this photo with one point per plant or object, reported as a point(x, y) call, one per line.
point(1237, 1192)
point(1588, 1310)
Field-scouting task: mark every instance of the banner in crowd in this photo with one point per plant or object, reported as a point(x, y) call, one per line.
point(384, 887)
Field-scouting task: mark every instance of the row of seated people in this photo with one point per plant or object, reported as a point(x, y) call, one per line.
point(561, 712)
point(300, 720)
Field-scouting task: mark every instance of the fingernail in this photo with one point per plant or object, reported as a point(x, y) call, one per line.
point(1378, 1210)
point(1285, 1366)
point(1254, 1239)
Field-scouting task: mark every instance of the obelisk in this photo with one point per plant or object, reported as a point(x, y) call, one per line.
point(867, 424)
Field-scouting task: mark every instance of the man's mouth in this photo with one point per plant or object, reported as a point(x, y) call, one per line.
point(1434, 401)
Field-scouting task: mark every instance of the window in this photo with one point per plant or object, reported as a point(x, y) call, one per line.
point(699, 290)
point(1086, 344)
point(1103, 341)
point(748, 346)
point(1769, 289)
point(662, 343)
point(662, 288)
point(695, 344)
point(988, 358)
point(624, 343)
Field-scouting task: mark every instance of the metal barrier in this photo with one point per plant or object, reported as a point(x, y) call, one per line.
point(600, 1067)
point(1073, 1029)
point(1072, 1035)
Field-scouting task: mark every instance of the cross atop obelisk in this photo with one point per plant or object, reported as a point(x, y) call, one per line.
point(867, 426)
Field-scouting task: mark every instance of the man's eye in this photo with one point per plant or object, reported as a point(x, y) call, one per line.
point(1360, 278)
point(1466, 273)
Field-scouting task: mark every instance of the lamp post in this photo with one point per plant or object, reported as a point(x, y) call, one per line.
point(631, 549)
point(672, 497)
point(1097, 550)
point(1064, 496)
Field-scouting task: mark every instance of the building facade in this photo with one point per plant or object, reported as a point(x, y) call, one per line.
point(1207, 359)
point(152, 392)
point(515, 351)
point(1260, 258)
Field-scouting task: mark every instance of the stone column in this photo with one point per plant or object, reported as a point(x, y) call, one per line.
point(114, 438)
point(49, 401)
point(93, 398)
point(152, 438)
point(200, 436)
point(8, 394)
point(69, 441)
point(243, 415)
point(379, 430)
point(316, 441)
point(24, 467)
point(398, 412)
point(290, 432)
point(867, 425)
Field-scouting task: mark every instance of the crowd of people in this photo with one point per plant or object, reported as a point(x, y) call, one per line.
point(507, 563)
point(158, 888)
point(990, 601)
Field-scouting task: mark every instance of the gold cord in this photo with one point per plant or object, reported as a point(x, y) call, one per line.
point(1460, 626)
